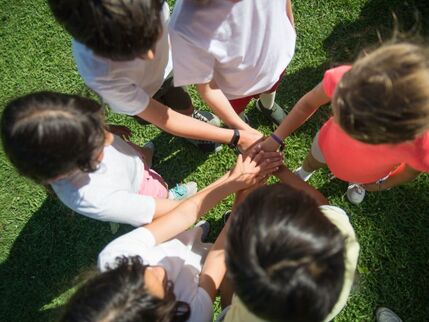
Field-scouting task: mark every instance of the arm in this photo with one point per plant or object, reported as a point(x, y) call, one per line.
point(286, 176)
point(247, 172)
point(178, 124)
point(214, 269)
point(289, 12)
point(302, 111)
point(216, 99)
point(403, 174)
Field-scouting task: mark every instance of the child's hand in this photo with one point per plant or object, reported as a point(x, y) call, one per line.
point(255, 166)
point(120, 130)
point(248, 138)
point(269, 145)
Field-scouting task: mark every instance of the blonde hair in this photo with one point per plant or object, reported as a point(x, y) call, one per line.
point(384, 98)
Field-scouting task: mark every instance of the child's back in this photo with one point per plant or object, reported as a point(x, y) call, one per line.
point(288, 259)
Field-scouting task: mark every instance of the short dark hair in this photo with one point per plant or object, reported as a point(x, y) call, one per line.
point(46, 135)
point(120, 294)
point(115, 29)
point(384, 98)
point(284, 257)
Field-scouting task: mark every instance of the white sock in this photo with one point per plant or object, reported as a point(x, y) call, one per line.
point(267, 100)
point(304, 175)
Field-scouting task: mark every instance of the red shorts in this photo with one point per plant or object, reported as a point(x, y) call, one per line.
point(240, 104)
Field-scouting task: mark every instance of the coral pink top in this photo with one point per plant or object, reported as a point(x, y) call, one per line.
point(355, 161)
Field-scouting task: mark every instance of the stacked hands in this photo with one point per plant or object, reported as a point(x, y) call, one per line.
point(255, 166)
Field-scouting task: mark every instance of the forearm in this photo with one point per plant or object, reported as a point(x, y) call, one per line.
point(286, 176)
point(218, 102)
point(181, 125)
point(214, 268)
point(403, 174)
point(189, 210)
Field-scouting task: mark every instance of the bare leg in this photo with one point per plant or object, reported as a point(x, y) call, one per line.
point(310, 164)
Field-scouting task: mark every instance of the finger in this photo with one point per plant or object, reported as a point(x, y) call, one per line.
point(258, 158)
point(273, 155)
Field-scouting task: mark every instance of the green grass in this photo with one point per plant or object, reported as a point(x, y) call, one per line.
point(44, 247)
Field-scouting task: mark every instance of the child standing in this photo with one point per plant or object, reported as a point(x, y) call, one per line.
point(233, 51)
point(61, 140)
point(122, 52)
point(378, 136)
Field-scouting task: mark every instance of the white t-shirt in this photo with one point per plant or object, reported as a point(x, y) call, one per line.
point(126, 86)
point(111, 193)
point(244, 46)
point(182, 257)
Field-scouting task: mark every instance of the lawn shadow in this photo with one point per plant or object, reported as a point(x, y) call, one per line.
point(398, 222)
point(54, 247)
point(377, 22)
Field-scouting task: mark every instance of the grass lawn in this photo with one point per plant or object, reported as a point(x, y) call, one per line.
point(45, 248)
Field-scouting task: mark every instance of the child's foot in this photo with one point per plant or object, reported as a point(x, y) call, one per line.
point(183, 191)
point(244, 117)
point(210, 118)
point(304, 175)
point(276, 113)
point(355, 193)
point(205, 227)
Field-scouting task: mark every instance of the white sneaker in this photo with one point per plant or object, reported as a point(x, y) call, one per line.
point(183, 191)
point(304, 175)
point(355, 193)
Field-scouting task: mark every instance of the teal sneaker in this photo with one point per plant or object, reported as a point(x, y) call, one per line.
point(183, 191)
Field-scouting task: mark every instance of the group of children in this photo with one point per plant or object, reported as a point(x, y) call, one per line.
point(283, 254)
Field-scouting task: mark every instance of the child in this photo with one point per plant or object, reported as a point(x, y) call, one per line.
point(378, 136)
point(60, 140)
point(233, 51)
point(287, 258)
point(150, 275)
point(122, 52)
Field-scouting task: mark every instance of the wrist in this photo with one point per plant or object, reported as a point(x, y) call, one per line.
point(278, 142)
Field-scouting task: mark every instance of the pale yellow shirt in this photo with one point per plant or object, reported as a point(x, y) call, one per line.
point(238, 312)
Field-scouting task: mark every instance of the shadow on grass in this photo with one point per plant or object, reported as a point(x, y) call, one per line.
point(53, 248)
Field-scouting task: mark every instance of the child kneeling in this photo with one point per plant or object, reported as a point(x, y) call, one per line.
point(61, 140)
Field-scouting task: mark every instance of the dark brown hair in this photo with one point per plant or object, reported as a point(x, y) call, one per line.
point(46, 135)
point(115, 29)
point(384, 98)
point(284, 257)
point(119, 294)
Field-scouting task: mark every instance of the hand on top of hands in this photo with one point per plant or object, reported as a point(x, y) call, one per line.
point(255, 166)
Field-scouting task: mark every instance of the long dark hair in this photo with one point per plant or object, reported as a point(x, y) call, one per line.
point(285, 258)
point(46, 135)
point(120, 295)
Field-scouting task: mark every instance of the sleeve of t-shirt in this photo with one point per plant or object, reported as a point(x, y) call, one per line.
point(122, 97)
point(191, 64)
point(134, 243)
point(201, 307)
point(332, 77)
point(118, 206)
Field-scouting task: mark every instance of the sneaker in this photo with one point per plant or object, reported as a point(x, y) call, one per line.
point(355, 193)
point(182, 191)
point(276, 114)
point(210, 118)
point(384, 314)
point(244, 117)
point(302, 174)
point(206, 117)
point(205, 227)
